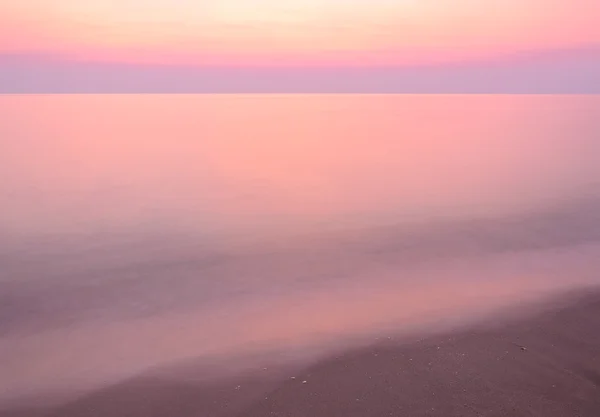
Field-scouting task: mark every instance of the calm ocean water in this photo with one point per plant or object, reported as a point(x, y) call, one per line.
point(140, 231)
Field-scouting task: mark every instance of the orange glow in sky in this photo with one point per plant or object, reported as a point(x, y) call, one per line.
point(295, 31)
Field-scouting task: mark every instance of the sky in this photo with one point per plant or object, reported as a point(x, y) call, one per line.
point(111, 44)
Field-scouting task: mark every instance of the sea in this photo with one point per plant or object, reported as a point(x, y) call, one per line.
point(139, 232)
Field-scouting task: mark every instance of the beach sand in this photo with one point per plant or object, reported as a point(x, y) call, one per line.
point(545, 365)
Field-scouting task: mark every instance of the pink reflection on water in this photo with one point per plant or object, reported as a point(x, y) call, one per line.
point(270, 164)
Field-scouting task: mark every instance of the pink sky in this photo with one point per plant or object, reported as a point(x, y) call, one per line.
point(313, 32)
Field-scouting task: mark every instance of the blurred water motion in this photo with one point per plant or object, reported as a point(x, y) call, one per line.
point(139, 231)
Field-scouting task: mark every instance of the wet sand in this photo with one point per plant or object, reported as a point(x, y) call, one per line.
point(545, 365)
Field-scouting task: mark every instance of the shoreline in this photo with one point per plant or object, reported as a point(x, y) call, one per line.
point(546, 364)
